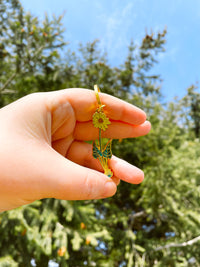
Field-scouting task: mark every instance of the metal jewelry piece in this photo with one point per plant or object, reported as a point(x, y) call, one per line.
point(100, 151)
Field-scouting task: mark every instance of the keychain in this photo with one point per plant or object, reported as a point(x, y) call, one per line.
point(100, 151)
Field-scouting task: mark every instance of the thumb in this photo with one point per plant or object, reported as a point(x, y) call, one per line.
point(67, 180)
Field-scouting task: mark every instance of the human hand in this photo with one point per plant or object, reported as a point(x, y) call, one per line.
point(43, 153)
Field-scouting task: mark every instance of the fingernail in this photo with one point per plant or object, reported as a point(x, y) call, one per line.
point(110, 189)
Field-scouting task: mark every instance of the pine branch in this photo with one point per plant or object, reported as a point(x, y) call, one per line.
point(132, 217)
point(15, 73)
point(7, 91)
point(8, 81)
point(137, 214)
point(184, 244)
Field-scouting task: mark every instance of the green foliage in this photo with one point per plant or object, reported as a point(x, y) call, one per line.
point(143, 225)
point(191, 103)
point(29, 51)
point(7, 262)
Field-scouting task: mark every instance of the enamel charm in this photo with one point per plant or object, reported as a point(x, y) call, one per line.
point(100, 151)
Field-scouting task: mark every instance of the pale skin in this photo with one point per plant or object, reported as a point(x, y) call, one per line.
point(43, 153)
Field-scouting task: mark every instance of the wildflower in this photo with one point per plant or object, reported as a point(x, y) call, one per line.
point(88, 240)
point(82, 225)
point(61, 251)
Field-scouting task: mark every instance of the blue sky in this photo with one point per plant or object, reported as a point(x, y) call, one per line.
point(116, 22)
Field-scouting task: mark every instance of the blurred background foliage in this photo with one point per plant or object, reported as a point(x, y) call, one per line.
point(156, 223)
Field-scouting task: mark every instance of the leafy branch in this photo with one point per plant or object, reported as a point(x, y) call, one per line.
point(7, 82)
point(184, 244)
point(15, 73)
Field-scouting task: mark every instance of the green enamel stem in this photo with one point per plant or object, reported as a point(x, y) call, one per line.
point(100, 159)
point(105, 161)
point(102, 162)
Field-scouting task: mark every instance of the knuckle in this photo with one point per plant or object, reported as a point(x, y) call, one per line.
point(91, 186)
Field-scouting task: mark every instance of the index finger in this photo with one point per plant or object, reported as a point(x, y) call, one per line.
point(84, 104)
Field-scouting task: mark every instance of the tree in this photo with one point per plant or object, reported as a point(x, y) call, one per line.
point(29, 51)
point(152, 224)
point(191, 103)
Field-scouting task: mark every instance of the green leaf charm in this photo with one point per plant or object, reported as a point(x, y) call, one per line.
point(96, 152)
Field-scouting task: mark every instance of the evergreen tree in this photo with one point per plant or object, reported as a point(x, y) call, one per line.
point(153, 224)
point(191, 103)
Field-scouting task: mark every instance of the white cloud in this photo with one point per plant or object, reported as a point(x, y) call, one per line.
point(116, 28)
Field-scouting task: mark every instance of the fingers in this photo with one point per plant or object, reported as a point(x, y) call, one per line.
point(126, 171)
point(72, 111)
point(116, 130)
point(121, 169)
point(84, 104)
point(64, 179)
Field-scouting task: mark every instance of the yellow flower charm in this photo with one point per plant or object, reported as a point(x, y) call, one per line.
point(100, 120)
point(101, 152)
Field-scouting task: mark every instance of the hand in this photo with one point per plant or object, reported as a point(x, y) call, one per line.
point(43, 152)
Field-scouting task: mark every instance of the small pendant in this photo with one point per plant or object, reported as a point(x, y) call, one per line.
point(101, 152)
